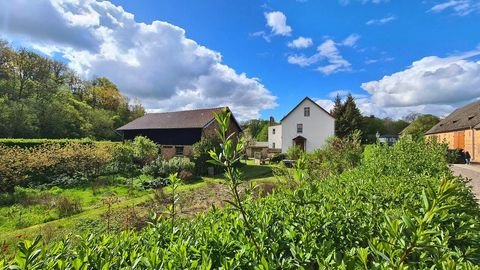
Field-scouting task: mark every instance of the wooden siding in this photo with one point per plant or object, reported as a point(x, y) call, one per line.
point(179, 136)
point(468, 139)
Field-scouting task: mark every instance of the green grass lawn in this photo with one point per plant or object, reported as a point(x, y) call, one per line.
point(36, 211)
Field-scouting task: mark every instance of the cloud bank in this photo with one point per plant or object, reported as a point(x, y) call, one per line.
point(155, 62)
point(433, 85)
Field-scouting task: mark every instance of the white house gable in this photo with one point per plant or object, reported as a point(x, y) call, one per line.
point(307, 125)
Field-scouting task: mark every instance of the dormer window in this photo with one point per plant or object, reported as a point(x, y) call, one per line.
point(306, 111)
point(455, 121)
point(471, 117)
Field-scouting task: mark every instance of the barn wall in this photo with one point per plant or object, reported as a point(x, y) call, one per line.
point(468, 139)
point(168, 151)
point(183, 136)
point(210, 131)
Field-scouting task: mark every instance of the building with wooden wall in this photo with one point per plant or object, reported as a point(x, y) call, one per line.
point(176, 132)
point(460, 130)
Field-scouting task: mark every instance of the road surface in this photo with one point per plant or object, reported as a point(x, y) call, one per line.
point(470, 171)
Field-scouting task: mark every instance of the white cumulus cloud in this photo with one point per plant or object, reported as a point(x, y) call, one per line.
point(327, 55)
point(300, 43)
point(155, 62)
point(277, 21)
point(430, 80)
point(431, 85)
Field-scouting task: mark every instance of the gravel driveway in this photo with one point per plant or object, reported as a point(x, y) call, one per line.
point(472, 172)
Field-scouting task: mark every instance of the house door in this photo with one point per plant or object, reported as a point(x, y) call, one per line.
point(459, 140)
point(300, 142)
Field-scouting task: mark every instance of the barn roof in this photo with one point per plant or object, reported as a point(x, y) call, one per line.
point(174, 120)
point(465, 117)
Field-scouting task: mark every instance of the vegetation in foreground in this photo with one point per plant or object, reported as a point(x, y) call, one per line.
point(400, 208)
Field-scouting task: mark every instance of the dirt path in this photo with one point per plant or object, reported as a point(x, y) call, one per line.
point(471, 172)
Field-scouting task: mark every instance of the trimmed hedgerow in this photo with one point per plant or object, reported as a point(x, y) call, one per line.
point(28, 143)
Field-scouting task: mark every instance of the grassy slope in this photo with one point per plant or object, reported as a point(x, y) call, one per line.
point(94, 209)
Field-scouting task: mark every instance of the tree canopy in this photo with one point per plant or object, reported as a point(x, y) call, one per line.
point(347, 115)
point(420, 125)
point(257, 129)
point(43, 98)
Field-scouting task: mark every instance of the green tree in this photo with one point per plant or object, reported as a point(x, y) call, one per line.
point(421, 125)
point(42, 97)
point(262, 136)
point(347, 115)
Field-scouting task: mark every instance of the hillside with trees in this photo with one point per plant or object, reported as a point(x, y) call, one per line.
point(43, 98)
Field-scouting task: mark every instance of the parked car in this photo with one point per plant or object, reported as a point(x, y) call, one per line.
point(455, 156)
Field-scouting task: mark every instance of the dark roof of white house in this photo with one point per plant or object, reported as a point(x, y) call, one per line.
point(465, 117)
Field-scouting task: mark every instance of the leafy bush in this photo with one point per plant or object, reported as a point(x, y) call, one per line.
point(278, 158)
point(294, 152)
point(201, 156)
point(339, 155)
point(163, 168)
point(67, 207)
point(144, 150)
point(41, 164)
point(404, 210)
point(123, 161)
point(28, 143)
point(156, 184)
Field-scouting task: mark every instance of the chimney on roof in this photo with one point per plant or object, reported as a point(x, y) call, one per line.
point(272, 121)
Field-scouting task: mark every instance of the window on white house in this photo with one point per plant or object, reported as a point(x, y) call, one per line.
point(273, 145)
point(273, 131)
point(179, 150)
point(299, 128)
point(306, 111)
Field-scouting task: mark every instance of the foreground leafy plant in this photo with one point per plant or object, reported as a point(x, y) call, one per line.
point(232, 149)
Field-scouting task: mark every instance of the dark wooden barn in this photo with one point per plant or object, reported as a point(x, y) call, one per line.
point(176, 132)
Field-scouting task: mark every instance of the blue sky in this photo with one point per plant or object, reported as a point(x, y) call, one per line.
point(396, 57)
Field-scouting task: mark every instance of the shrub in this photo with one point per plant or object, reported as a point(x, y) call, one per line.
point(294, 152)
point(201, 156)
point(144, 150)
point(40, 164)
point(278, 158)
point(28, 143)
point(123, 161)
point(163, 168)
point(185, 176)
point(339, 155)
point(67, 207)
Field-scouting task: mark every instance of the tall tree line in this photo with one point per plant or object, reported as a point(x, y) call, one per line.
point(349, 119)
point(43, 98)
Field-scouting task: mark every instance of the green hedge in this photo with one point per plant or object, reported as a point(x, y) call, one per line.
point(27, 143)
point(400, 209)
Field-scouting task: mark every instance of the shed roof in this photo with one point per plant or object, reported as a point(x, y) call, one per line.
point(465, 117)
point(174, 120)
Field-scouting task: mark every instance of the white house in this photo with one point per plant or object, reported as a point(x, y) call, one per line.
point(308, 125)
